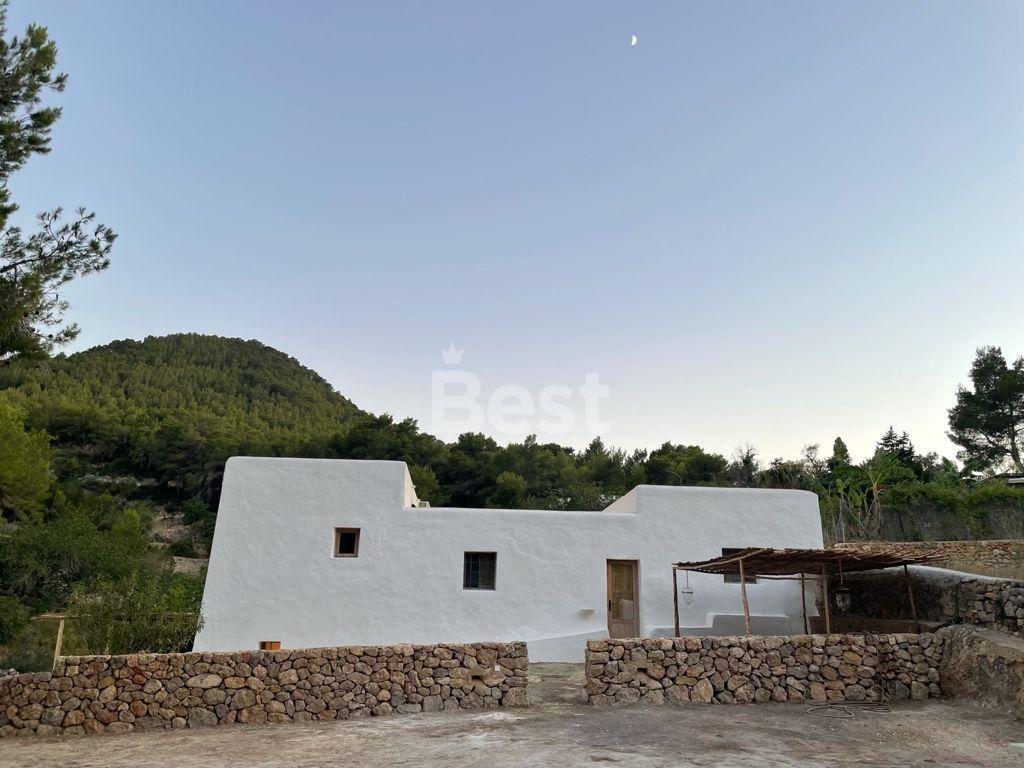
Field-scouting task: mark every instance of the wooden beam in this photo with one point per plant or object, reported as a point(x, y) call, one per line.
point(824, 599)
point(803, 604)
point(59, 643)
point(910, 592)
point(743, 594)
point(675, 599)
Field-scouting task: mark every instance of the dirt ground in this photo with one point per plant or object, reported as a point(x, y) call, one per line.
point(556, 730)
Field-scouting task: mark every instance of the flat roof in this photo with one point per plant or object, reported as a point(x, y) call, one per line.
point(787, 562)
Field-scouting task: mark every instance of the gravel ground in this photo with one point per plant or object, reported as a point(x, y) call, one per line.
point(557, 731)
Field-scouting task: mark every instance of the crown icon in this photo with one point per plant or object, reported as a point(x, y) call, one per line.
point(452, 356)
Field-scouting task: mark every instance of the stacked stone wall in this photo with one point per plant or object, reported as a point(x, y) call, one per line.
point(939, 596)
point(998, 558)
point(117, 694)
point(782, 668)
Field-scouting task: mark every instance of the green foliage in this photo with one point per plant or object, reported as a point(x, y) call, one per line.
point(685, 465)
point(13, 618)
point(24, 465)
point(745, 467)
point(840, 457)
point(173, 409)
point(149, 609)
point(34, 267)
point(427, 487)
point(31, 649)
point(988, 420)
point(41, 561)
point(901, 449)
point(852, 497)
point(182, 548)
point(509, 492)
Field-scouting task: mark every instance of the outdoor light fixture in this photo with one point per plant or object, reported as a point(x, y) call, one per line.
point(842, 598)
point(687, 590)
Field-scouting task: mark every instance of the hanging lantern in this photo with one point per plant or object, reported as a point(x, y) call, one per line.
point(687, 591)
point(842, 598)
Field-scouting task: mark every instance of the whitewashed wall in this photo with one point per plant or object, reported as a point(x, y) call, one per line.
point(272, 575)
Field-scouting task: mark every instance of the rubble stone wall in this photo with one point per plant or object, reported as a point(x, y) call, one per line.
point(738, 670)
point(985, 667)
point(116, 694)
point(939, 595)
point(1002, 558)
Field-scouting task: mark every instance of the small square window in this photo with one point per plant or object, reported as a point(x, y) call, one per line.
point(270, 645)
point(479, 569)
point(734, 578)
point(346, 542)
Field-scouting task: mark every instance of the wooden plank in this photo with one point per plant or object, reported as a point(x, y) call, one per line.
point(742, 593)
point(59, 643)
point(910, 593)
point(636, 596)
point(824, 599)
point(675, 599)
point(608, 593)
point(803, 604)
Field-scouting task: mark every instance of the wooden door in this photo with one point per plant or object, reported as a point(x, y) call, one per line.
point(623, 603)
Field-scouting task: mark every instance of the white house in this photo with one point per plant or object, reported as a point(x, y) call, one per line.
point(311, 552)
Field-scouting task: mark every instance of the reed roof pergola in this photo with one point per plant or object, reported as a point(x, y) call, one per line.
point(771, 563)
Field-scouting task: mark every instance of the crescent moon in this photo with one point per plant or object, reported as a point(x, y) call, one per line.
point(634, 40)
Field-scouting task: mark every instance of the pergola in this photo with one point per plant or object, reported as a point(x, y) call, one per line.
point(802, 564)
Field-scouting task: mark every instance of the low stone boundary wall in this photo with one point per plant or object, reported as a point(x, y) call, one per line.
point(737, 670)
point(116, 694)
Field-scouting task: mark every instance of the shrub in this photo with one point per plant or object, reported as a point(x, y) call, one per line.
point(13, 618)
point(182, 548)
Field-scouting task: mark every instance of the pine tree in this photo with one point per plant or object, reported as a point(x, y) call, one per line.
point(840, 456)
point(35, 266)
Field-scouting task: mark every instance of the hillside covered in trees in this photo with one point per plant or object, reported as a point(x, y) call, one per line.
point(172, 409)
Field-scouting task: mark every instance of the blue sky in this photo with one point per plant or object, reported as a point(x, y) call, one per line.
point(766, 223)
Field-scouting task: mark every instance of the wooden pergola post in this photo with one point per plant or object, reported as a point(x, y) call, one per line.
point(803, 604)
point(743, 594)
point(910, 592)
point(824, 599)
point(675, 598)
point(60, 642)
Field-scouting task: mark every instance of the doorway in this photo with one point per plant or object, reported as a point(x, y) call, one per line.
point(623, 605)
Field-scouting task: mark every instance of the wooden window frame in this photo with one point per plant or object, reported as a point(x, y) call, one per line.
point(337, 543)
point(270, 645)
point(465, 571)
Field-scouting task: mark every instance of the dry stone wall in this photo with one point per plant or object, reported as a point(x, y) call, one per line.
point(940, 596)
point(738, 670)
point(117, 694)
point(985, 667)
point(1002, 558)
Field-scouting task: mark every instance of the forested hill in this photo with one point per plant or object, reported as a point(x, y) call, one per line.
point(153, 422)
point(173, 408)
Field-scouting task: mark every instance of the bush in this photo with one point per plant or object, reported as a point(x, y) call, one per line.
point(41, 561)
point(13, 618)
point(182, 548)
point(31, 649)
point(149, 610)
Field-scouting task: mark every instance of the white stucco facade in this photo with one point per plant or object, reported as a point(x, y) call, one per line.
point(273, 574)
